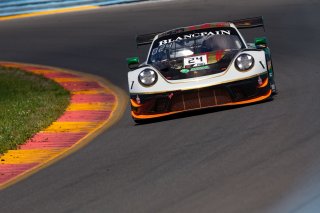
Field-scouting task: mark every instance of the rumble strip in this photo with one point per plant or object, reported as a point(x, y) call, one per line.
point(95, 105)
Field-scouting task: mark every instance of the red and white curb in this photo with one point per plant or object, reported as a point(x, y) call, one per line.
point(94, 105)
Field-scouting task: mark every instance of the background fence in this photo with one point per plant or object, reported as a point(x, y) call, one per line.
point(16, 7)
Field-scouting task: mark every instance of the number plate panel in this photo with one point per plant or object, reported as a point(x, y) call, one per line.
point(195, 61)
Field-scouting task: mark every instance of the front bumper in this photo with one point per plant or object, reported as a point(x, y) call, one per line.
point(146, 106)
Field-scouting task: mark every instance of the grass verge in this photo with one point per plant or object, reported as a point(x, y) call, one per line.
point(28, 104)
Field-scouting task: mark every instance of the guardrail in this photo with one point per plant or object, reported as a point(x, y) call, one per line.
point(16, 7)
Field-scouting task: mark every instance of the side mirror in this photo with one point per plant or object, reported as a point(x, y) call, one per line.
point(133, 63)
point(261, 42)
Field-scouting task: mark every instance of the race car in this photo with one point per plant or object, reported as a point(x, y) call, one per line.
point(202, 66)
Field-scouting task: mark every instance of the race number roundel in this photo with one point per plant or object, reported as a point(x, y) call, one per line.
point(195, 61)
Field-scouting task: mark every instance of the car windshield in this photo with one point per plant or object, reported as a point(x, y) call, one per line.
point(197, 42)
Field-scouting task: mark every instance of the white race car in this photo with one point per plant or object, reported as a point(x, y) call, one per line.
point(197, 67)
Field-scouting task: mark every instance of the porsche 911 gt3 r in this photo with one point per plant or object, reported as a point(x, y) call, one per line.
point(197, 67)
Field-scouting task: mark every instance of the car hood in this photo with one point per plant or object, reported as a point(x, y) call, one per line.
point(217, 62)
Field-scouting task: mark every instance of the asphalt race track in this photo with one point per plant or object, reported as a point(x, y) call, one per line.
point(259, 158)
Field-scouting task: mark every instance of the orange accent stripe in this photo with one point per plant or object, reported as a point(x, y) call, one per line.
point(134, 104)
point(265, 83)
point(263, 97)
point(260, 98)
point(152, 116)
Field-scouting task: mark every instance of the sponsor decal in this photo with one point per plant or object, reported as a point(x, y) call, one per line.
point(195, 35)
point(185, 71)
point(200, 68)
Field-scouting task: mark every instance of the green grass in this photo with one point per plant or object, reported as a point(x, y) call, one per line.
point(28, 104)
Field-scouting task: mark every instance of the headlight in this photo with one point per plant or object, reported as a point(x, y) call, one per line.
point(148, 77)
point(244, 62)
